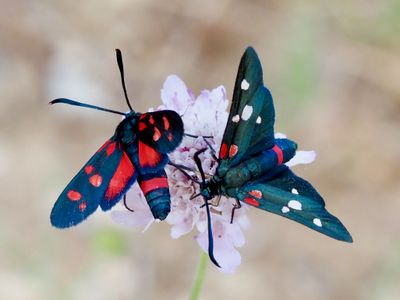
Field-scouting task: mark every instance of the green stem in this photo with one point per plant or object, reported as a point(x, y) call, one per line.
point(199, 279)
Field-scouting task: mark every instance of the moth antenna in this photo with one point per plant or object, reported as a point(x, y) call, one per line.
point(209, 225)
point(76, 103)
point(121, 71)
point(210, 236)
point(126, 205)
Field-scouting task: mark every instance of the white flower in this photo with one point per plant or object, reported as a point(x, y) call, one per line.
point(205, 115)
point(142, 215)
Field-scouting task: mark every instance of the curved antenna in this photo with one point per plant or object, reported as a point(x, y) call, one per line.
point(209, 225)
point(76, 103)
point(121, 71)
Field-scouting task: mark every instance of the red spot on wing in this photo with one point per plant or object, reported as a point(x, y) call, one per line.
point(151, 120)
point(148, 157)
point(170, 137)
point(251, 201)
point(256, 193)
point(156, 135)
point(166, 122)
point(142, 126)
point(96, 180)
point(153, 184)
point(102, 147)
point(110, 149)
point(121, 177)
point(74, 195)
point(233, 149)
point(279, 154)
point(82, 206)
point(89, 169)
point(223, 151)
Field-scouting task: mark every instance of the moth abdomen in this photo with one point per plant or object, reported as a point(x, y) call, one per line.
point(155, 189)
point(261, 164)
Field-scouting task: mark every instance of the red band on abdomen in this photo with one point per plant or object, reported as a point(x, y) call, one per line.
point(279, 154)
point(152, 184)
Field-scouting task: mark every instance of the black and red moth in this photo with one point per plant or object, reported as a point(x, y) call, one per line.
point(137, 151)
point(251, 163)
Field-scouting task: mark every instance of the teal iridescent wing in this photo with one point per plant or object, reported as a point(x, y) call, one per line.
point(292, 197)
point(250, 127)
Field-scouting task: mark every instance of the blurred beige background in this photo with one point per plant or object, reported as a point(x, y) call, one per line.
point(334, 71)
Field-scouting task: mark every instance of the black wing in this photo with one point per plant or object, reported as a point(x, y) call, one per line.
point(250, 127)
point(294, 198)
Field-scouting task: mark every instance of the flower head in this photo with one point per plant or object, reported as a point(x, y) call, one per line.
point(204, 115)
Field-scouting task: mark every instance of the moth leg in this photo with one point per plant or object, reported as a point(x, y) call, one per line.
point(183, 168)
point(236, 206)
point(212, 203)
point(194, 195)
point(205, 137)
point(196, 136)
point(216, 203)
point(126, 205)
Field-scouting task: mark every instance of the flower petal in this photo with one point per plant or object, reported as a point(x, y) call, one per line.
point(175, 95)
point(302, 157)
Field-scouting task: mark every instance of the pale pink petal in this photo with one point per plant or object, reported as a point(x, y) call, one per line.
point(175, 95)
point(141, 215)
point(279, 135)
point(302, 157)
point(225, 254)
point(132, 219)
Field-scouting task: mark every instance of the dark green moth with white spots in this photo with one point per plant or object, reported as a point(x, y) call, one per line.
point(252, 161)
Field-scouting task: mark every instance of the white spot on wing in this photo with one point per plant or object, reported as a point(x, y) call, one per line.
point(317, 222)
point(244, 85)
point(294, 191)
point(246, 113)
point(258, 121)
point(294, 204)
point(236, 118)
point(285, 209)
